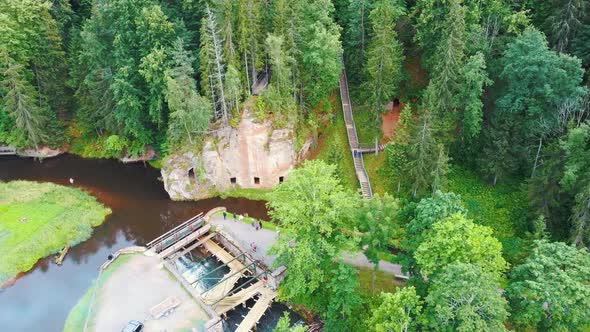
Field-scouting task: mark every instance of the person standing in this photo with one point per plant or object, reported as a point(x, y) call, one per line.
point(235, 216)
point(224, 215)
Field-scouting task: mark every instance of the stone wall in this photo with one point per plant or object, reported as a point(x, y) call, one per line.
point(253, 155)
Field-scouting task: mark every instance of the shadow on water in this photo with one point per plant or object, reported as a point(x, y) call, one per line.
point(41, 299)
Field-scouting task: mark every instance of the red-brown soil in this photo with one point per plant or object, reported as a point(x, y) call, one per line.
point(389, 121)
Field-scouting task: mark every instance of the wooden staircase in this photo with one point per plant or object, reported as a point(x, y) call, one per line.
point(353, 142)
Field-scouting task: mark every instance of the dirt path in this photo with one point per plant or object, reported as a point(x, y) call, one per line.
point(389, 121)
point(133, 289)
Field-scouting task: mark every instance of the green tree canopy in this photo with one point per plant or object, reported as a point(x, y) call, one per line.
point(312, 210)
point(464, 298)
point(550, 290)
point(458, 239)
point(398, 311)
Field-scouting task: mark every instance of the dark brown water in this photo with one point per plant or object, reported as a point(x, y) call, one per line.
point(41, 299)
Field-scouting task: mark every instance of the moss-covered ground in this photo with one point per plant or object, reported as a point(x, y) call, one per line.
point(384, 282)
point(39, 219)
point(502, 207)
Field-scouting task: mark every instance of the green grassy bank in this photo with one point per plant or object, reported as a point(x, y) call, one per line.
point(38, 219)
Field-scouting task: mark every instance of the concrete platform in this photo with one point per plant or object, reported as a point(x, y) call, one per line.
point(136, 286)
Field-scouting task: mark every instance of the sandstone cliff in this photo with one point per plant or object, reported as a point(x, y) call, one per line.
point(253, 155)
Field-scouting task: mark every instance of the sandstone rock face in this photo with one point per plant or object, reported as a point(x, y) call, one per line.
point(253, 155)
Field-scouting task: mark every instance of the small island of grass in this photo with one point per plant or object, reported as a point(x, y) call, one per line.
point(39, 219)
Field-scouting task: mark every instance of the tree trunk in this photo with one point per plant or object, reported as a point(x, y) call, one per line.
point(537, 156)
point(190, 139)
point(247, 73)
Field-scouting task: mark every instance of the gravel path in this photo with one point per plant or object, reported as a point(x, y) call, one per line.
point(264, 238)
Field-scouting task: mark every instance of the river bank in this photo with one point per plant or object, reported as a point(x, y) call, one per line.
point(141, 210)
point(39, 219)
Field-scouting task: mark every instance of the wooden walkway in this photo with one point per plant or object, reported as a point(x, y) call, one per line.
point(264, 301)
point(190, 238)
point(353, 142)
point(227, 283)
point(230, 302)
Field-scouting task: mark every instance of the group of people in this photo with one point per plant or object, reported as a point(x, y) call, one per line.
point(257, 224)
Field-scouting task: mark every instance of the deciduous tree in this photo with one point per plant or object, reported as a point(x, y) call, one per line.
point(465, 298)
point(458, 239)
point(549, 291)
point(398, 311)
point(312, 210)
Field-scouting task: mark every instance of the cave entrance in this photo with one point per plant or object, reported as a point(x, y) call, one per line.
point(191, 174)
point(256, 180)
point(281, 179)
point(232, 180)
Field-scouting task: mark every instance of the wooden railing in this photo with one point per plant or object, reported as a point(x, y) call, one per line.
point(351, 132)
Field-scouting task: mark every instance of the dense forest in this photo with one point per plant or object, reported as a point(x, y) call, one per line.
point(495, 87)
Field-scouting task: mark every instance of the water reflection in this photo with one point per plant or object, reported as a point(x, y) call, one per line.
point(42, 298)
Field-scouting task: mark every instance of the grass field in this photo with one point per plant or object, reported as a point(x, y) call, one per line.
point(38, 219)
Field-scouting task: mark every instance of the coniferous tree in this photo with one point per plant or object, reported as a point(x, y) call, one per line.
point(384, 55)
point(425, 157)
point(189, 112)
point(356, 37)
point(249, 35)
point(537, 81)
point(20, 101)
point(213, 65)
point(565, 22)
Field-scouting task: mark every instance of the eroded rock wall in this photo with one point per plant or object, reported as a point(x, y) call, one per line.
point(253, 155)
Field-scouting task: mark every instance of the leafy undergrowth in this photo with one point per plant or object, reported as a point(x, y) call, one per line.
point(86, 145)
point(367, 126)
point(373, 165)
point(333, 147)
point(503, 208)
point(38, 219)
point(77, 316)
point(384, 282)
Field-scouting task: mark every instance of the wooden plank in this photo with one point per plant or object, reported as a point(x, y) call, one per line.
point(240, 297)
point(257, 310)
point(193, 236)
point(163, 307)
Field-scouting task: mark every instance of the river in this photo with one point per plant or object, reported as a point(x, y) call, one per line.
point(41, 299)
